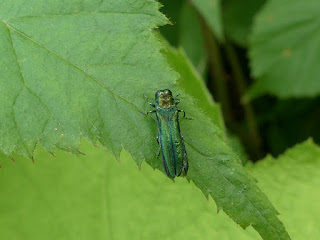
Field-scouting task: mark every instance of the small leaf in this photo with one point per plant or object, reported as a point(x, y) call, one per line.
point(284, 49)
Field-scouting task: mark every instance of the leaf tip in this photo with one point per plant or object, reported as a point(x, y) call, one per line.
point(310, 139)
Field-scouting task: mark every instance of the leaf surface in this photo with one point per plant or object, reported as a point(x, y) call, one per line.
point(108, 200)
point(285, 50)
point(50, 199)
point(292, 183)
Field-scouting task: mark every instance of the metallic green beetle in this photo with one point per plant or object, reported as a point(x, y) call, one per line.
point(172, 148)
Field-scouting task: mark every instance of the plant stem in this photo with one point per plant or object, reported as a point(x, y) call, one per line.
point(254, 137)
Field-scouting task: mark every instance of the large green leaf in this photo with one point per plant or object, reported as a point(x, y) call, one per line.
point(285, 50)
point(79, 68)
point(94, 196)
point(211, 12)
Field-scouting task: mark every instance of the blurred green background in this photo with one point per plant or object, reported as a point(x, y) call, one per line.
point(96, 197)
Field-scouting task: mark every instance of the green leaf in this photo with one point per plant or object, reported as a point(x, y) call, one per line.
point(79, 69)
point(51, 200)
point(64, 65)
point(238, 17)
point(292, 182)
point(236, 145)
point(211, 11)
point(284, 49)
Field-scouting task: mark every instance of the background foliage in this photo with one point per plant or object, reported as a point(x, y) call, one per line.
point(72, 73)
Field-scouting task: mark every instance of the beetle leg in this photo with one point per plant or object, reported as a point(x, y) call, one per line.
point(147, 113)
point(177, 101)
point(184, 115)
point(158, 154)
point(153, 111)
point(150, 103)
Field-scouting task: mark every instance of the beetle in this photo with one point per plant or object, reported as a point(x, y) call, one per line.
point(169, 138)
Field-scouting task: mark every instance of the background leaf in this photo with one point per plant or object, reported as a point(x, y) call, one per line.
point(50, 199)
point(292, 183)
point(284, 49)
point(80, 70)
